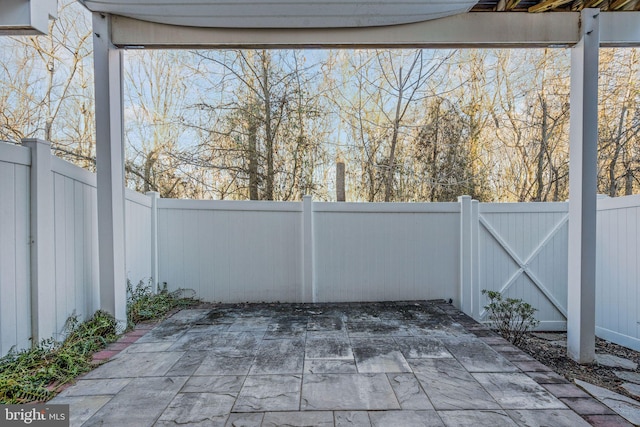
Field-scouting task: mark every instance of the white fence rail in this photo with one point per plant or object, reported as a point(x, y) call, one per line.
point(302, 251)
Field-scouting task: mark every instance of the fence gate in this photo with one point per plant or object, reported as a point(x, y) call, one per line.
point(522, 253)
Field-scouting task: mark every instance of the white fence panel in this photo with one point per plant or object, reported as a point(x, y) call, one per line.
point(378, 252)
point(76, 242)
point(15, 276)
point(523, 254)
point(138, 237)
point(618, 270)
point(231, 251)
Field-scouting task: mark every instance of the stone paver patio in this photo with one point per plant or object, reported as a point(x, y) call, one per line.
point(378, 364)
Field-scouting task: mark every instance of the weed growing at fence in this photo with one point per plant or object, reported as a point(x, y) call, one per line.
point(143, 304)
point(36, 374)
point(512, 318)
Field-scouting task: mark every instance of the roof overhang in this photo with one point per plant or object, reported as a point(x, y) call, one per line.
point(281, 13)
point(474, 29)
point(26, 17)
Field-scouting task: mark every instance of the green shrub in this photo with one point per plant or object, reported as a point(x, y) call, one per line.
point(36, 374)
point(143, 304)
point(512, 318)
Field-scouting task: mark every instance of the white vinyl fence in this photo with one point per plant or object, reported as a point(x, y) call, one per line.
point(71, 214)
point(302, 251)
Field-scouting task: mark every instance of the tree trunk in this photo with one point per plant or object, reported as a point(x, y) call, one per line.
point(268, 194)
point(253, 158)
point(394, 141)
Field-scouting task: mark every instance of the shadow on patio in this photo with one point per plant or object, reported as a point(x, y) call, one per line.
point(387, 364)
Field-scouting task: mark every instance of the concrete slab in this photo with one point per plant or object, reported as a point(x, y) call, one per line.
point(365, 364)
point(298, 419)
point(517, 391)
point(607, 421)
point(377, 328)
point(450, 387)
point(148, 347)
point(191, 341)
point(476, 418)
point(405, 419)
point(139, 404)
point(187, 316)
point(325, 324)
point(98, 387)
point(476, 356)
point(164, 332)
point(378, 355)
point(421, 347)
point(197, 409)
point(220, 384)
point(287, 327)
point(408, 391)
point(347, 392)
point(245, 419)
point(329, 366)
point(632, 388)
point(188, 363)
point(81, 408)
point(615, 362)
point(279, 357)
point(351, 419)
point(368, 360)
point(547, 417)
point(329, 348)
point(626, 407)
point(632, 377)
point(237, 344)
point(250, 324)
point(133, 365)
point(267, 393)
point(219, 364)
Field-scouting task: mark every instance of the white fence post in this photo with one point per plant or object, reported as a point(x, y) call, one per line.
point(43, 297)
point(475, 260)
point(154, 195)
point(308, 285)
point(466, 254)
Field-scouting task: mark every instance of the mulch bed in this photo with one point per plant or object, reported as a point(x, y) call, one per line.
point(554, 355)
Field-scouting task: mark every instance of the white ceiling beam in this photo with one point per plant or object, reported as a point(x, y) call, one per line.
point(620, 29)
point(475, 29)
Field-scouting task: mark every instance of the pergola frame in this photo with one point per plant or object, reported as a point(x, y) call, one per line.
point(583, 31)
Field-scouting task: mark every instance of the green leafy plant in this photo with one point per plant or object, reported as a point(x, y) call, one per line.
point(143, 304)
point(512, 318)
point(36, 374)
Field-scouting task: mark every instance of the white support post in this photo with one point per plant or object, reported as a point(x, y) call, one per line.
point(110, 169)
point(43, 297)
point(308, 285)
point(475, 261)
point(466, 264)
point(154, 195)
point(583, 151)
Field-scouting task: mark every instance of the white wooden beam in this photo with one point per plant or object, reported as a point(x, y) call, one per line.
point(583, 152)
point(469, 29)
point(110, 169)
point(475, 29)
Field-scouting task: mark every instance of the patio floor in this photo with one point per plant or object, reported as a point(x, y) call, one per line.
point(379, 364)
